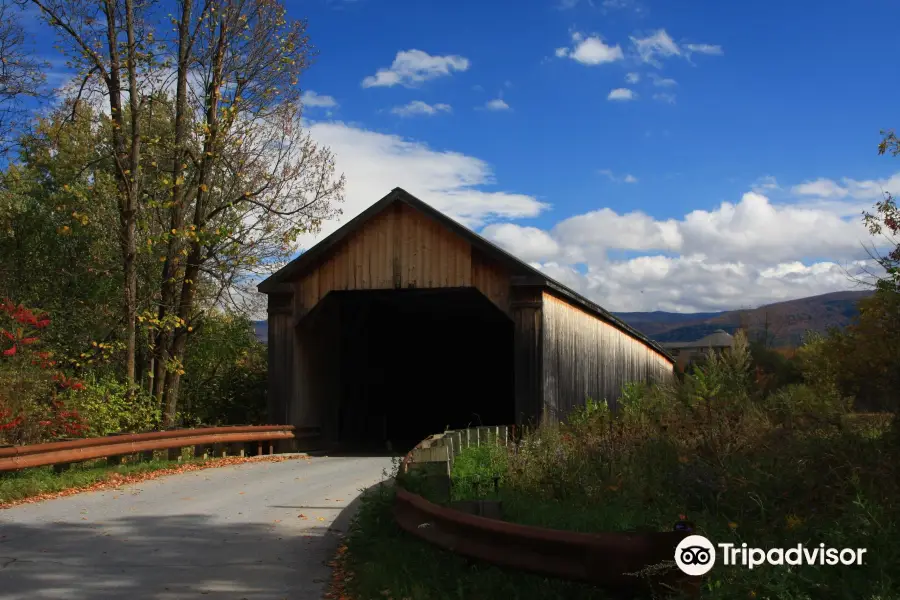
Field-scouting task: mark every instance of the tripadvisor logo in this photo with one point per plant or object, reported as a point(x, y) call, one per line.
point(696, 555)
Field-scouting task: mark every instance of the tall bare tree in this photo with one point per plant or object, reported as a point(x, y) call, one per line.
point(107, 42)
point(188, 29)
point(247, 179)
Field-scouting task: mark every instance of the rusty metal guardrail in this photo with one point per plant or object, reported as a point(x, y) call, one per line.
point(612, 559)
point(54, 453)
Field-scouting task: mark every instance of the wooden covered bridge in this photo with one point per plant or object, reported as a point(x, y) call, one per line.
point(404, 322)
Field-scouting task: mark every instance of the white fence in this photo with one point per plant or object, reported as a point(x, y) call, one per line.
point(445, 447)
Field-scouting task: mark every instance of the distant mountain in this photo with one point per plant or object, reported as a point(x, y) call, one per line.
point(664, 318)
point(787, 322)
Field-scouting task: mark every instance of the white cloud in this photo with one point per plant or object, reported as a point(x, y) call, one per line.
point(311, 99)
point(632, 78)
point(869, 190)
point(417, 107)
point(662, 81)
point(664, 97)
point(411, 67)
point(530, 243)
point(627, 178)
point(621, 94)
point(655, 46)
point(659, 45)
point(765, 183)
point(496, 104)
point(703, 49)
point(375, 163)
point(622, 5)
point(590, 51)
point(823, 188)
point(736, 255)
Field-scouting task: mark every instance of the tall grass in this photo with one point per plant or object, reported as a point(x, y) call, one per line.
point(793, 467)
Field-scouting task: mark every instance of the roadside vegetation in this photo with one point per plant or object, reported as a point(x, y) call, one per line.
point(379, 561)
point(794, 467)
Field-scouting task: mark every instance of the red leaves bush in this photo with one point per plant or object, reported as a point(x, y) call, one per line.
point(30, 410)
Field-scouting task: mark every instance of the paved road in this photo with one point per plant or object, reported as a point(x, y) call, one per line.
point(230, 532)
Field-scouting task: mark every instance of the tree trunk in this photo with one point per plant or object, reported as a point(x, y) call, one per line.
point(126, 201)
point(170, 266)
point(133, 180)
point(195, 256)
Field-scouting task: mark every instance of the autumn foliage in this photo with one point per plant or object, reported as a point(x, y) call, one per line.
point(32, 384)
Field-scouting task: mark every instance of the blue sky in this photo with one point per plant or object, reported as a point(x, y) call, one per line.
point(666, 155)
point(801, 91)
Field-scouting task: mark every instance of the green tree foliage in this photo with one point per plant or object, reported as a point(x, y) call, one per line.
point(863, 361)
point(225, 373)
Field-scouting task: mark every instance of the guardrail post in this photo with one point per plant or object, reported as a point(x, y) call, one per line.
point(174, 454)
point(271, 448)
point(259, 448)
point(220, 450)
point(61, 467)
point(200, 451)
point(114, 461)
point(147, 456)
point(238, 449)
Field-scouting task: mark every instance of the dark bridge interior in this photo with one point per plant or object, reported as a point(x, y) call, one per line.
point(411, 363)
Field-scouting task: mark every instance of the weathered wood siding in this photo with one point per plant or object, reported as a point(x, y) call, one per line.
point(528, 359)
point(401, 248)
point(281, 358)
point(585, 357)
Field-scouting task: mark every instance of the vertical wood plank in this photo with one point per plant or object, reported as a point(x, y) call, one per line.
point(587, 357)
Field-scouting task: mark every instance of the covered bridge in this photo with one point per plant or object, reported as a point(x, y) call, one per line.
point(404, 322)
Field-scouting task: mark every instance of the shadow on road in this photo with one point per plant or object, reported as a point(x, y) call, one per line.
point(178, 556)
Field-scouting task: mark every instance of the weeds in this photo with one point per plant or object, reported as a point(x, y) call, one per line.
point(793, 467)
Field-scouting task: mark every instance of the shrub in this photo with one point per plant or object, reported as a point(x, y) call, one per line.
point(106, 407)
point(32, 408)
point(226, 373)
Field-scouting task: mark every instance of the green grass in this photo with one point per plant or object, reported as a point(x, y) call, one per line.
point(837, 489)
point(385, 562)
point(382, 561)
point(35, 482)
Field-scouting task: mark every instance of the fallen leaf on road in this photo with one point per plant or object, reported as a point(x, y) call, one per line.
point(301, 516)
point(117, 480)
point(321, 519)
